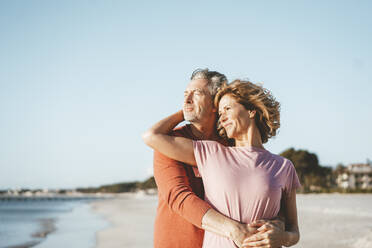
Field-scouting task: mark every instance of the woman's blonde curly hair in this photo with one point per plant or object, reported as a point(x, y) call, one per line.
point(253, 97)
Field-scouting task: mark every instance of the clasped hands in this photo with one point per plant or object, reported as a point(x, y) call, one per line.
point(261, 233)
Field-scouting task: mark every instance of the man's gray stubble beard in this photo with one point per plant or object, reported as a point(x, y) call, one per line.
point(190, 117)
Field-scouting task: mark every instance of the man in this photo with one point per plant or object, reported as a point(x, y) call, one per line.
point(181, 211)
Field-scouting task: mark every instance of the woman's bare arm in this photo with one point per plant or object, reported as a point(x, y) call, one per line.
point(292, 233)
point(177, 148)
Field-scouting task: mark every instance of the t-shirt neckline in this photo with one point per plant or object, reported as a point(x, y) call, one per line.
point(251, 148)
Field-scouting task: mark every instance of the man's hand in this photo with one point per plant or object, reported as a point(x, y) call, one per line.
point(217, 223)
point(270, 234)
point(242, 231)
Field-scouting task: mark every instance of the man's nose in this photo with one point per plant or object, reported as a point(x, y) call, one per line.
point(188, 98)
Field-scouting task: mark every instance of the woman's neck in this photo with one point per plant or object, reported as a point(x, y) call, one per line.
point(251, 138)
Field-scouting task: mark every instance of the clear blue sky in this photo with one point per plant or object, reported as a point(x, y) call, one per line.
point(81, 80)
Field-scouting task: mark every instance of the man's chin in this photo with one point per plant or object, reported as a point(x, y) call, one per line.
point(189, 117)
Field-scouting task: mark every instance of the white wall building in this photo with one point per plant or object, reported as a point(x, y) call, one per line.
point(356, 176)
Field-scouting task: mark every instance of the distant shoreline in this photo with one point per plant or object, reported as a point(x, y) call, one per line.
point(55, 197)
point(102, 196)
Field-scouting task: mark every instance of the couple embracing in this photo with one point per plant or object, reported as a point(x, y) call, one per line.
point(215, 175)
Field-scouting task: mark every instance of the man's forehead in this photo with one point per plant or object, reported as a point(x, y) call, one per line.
point(198, 84)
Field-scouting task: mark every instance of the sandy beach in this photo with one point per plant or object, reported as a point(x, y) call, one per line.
point(131, 220)
point(325, 220)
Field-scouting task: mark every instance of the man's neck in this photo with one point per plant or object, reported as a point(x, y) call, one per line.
point(206, 132)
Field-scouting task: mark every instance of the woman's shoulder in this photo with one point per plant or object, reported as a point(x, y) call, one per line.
point(285, 162)
point(211, 143)
point(209, 146)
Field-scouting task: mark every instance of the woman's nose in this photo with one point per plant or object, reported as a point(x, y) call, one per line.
point(223, 118)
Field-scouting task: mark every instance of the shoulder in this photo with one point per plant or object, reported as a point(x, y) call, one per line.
point(207, 147)
point(287, 162)
point(284, 162)
point(209, 143)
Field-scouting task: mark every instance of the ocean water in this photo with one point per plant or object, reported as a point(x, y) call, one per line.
point(75, 224)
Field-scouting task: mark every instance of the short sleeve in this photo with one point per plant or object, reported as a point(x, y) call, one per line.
point(292, 181)
point(203, 150)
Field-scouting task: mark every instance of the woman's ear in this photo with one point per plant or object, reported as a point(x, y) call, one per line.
point(252, 113)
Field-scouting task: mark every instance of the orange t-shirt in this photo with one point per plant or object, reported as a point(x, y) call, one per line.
point(180, 205)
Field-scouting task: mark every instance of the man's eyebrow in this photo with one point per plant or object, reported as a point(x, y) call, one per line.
point(193, 90)
point(200, 90)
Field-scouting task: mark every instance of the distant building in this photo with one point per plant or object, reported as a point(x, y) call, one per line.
point(356, 176)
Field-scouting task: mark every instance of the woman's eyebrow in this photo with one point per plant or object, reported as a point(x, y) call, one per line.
point(221, 108)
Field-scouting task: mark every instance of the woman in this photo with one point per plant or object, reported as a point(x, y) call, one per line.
point(245, 181)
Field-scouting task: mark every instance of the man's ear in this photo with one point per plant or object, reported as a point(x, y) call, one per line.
point(252, 113)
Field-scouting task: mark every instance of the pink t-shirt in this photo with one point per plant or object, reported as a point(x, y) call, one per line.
point(243, 183)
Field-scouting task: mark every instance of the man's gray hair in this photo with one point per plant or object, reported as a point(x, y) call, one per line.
point(215, 79)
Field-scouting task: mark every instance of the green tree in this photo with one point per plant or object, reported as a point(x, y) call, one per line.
point(310, 173)
point(149, 184)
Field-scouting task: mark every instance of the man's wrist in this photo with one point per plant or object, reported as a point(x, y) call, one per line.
point(231, 228)
point(238, 232)
point(234, 230)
